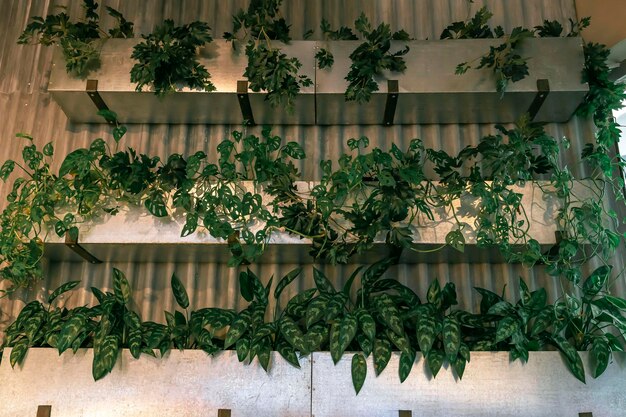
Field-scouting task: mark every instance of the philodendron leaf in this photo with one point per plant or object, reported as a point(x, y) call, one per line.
point(601, 352)
point(347, 331)
point(70, 331)
point(180, 293)
point(572, 358)
point(596, 280)
point(407, 359)
point(296, 307)
point(426, 330)
point(543, 320)
point(366, 323)
point(359, 371)
point(121, 287)
point(382, 354)
point(322, 283)
point(456, 239)
point(451, 337)
point(434, 360)
point(286, 280)
point(18, 353)
point(62, 289)
point(506, 327)
point(104, 357)
point(389, 313)
point(287, 352)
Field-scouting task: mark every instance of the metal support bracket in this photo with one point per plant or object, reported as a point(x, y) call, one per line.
point(96, 98)
point(405, 413)
point(44, 410)
point(392, 102)
point(585, 414)
point(244, 102)
point(72, 243)
point(543, 89)
point(223, 412)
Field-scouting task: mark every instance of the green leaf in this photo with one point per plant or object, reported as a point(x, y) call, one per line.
point(287, 352)
point(322, 283)
point(316, 309)
point(156, 205)
point(121, 286)
point(426, 330)
point(180, 293)
point(389, 313)
point(544, 319)
point(316, 336)
point(367, 345)
point(292, 334)
point(105, 356)
point(238, 327)
point(191, 224)
point(18, 353)
point(401, 342)
point(434, 360)
point(7, 169)
point(347, 331)
point(246, 286)
point(135, 341)
point(359, 371)
point(506, 327)
point(456, 239)
point(407, 359)
point(617, 302)
point(572, 359)
point(243, 348)
point(367, 323)
point(597, 280)
point(458, 364)
point(382, 354)
point(335, 306)
point(286, 280)
point(601, 353)
point(62, 289)
point(296, 304)
point(434, 295)
point(48, 149)
point(451, 337)
point(70, 331)
point(335, 345)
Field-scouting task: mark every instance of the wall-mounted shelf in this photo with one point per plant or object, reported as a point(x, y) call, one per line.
point(136, 235)
point(427, 92)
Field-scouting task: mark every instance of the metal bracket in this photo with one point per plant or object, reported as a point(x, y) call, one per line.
point(72, 243)
point(96, 98)
point(44, 410)
point(223, 412)
point(392, 102)
point(543, 89)
point(244, 103)
point(405, 413)
point(585, 414)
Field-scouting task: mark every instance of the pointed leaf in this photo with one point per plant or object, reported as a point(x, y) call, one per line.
point(359, 371)
point(246, 286)
point(572, 358)
point(105, 356)
point(335, 306)
point(451, 337)
point(597, 280)
point(544, 319)
point(458, 364)
point(367, 323)
point(180, 293)
point(70, 331)
point(434, 295)
point(322, 283)
point(434, 360)
point(288, 352)
point(286, 280)
point(401, 342)
point(18, 353)
point(389, 313)
point(407, 359)
point(601, 353)
point(316, 310)
point(347, 331)
point(292, 334)
point(243, 348)
point(121, 287)
point(62, 289)
point(135, 341)
point(335, 346)
point(238, 327)
point(382, 354)
point(426, 330)
point(506, 327)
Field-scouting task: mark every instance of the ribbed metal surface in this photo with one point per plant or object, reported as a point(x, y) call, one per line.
point(25, 106)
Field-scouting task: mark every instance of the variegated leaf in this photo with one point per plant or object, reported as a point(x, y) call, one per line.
point(32, 324)
point(434, 295)
point(347, 331)
point(601, 354)
point(459, 365)
point(287, 352)
point(366, 323)
point(573, 361)
point(316, 309)
point(238, 328)
point(389, 313)
point(506, 328)
point(296, 307)
point(105, 356)
point(243, 348)
point(451, 337)
point(322, 283)
point(426, 330)
point(401, 342)
point(316, 336)
point(292, 334)
point(366, 344)
point(286, 280)
point(359, 371)
point(382, 354)
point(18, 353)
point(71, 330)
point(62, 289)
point(335, 306)
point(407, 359)
point(335, 346)
point(180, 293)
point(543, 320)
point(434, 360)
point(135, 342)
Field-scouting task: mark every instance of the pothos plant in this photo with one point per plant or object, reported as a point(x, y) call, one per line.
point(168, 57)
point(269, 69)
point(369, 59)
point(377, 317)
point(504, 60)
point(78, 40)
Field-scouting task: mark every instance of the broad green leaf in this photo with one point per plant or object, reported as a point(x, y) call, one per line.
point(335, 345)
point(506, 327)
point(501, 308)
point(601, 354)
point(434, 360)
point(451, 337)
point(456, 239)
point(292, 334)
point(156, 205)
point(121, 287)
point(263, 352)
point(7, 169)
point(434, 295)
point(135, 341)
point(359, 371)
point(366, 344)
point(48, 149)
point(464, 351)
point(489, 298)
point(448, 295)
point(296, 306)
point(348, 285)
point(597, 280)
point(286, 280)
point(335, 306)
point(401, 342)
point(70, 331)
point(347, 331)
point(191, 224)
point(407, 359)
point(382, 354)
point(287, 352)
point(180, 293)
point(389, 313)
point(18, 352)
point(543, 321)
point(426, 330)
point(572, 359)
point(105, 356)
point(316, 336)
point(617, 302)
point(316, 310)
point(322, 283)
point(246, 286)
point(366, 323)
point(243, 348)
point(458, 364)
point(62, 289)
point(238, 327)
point(32, 324)
point(375, 271)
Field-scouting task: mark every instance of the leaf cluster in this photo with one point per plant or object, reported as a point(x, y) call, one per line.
point(76, 39)
point(168, 56)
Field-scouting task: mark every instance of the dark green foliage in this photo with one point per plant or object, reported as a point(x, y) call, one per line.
point(78, 40)
point(475, 28)
point(168, 57)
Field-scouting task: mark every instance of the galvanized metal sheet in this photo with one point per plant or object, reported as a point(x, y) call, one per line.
point(491, 386)
point(183, 384)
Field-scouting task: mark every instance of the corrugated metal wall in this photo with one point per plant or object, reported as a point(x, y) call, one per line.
point(25, 106)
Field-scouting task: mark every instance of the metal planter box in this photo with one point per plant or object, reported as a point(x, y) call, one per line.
point(186, 106)
point(183, 384)
point(136, 235)
point(429, 91)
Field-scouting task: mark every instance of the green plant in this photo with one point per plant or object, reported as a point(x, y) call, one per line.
point(474, 28)
point(168, 56)
point(78, 40)
point(324, 57)
point(268, 68)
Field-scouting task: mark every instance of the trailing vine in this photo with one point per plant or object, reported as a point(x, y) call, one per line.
point(78, 40)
